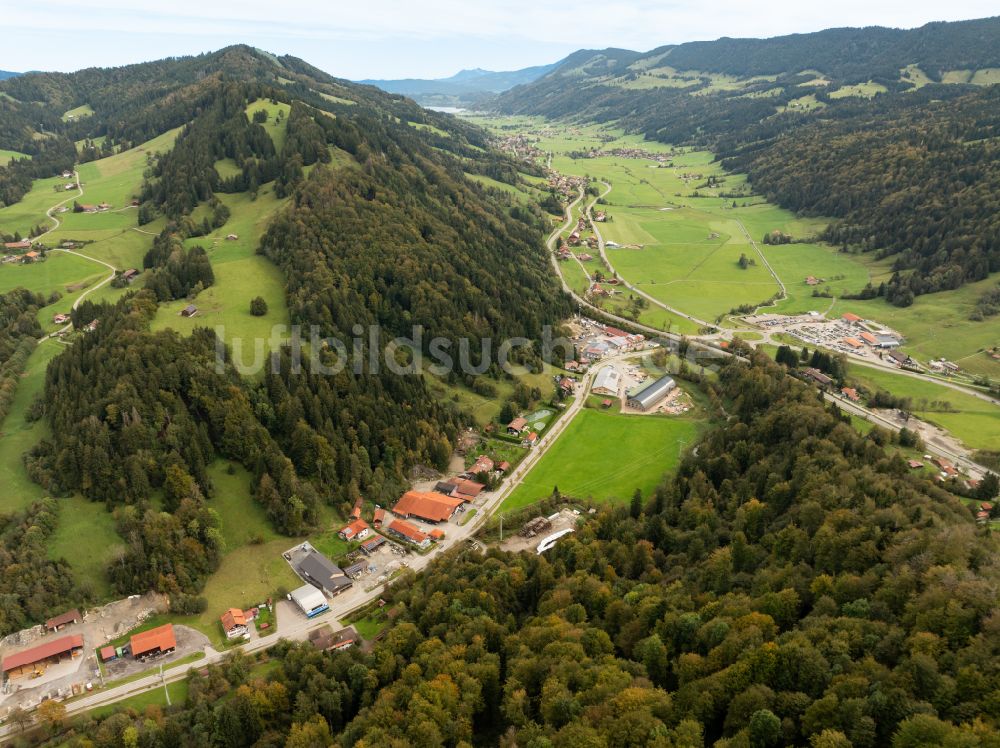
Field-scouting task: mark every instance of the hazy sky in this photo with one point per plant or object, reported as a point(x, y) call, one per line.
point(417, 38)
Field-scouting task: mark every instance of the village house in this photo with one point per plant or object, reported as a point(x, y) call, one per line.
point(915, 464)
point(483, 463)
point(530, 440)
point(234, 623)
point(153, 643)
point(515, 427)
point(817, 376)
point(567, 385)
point(504, 467)
point(851, 318)
point(31, 256)
point(601, 216)
point(356, 510)
point(325, 639)
point(584, 257)
point(900, 358)
point(851, 394)
point(17, 246)
point(189, 311)
point(409, 533)
point(574, 239)
point(357, 530)
point(378, 517)
point(60, 319)
point(854, 343)
point(427, 505)
point(130, 275)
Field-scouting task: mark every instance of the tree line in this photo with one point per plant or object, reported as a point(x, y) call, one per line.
point(792, 584)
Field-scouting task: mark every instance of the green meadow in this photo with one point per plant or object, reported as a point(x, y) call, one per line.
point(976, 422)
point(275, 128)
point(604, 456)
point(240, 275)
point(30, 211)
point(84, 110)
point(6, 156)
point(57, 272)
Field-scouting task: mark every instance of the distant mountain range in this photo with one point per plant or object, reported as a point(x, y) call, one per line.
point(465, 88)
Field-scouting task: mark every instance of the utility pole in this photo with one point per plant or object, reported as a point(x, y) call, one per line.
point(165, 689)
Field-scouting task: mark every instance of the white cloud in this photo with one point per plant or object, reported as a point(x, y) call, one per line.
point(636, 24)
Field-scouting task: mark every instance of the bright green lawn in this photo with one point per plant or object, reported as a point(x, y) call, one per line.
point(83, 521)
point(605, 456)
point(277, 130)
point(116, 180)
point(29, 212)
point(974, 421)
point(178, 695)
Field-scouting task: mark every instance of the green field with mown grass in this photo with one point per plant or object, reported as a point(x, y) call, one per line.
point(604, 456)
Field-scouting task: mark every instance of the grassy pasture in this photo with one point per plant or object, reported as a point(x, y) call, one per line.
point(863, 90)
point(974, 421)
point(6, 156)
point(277, 130)
point(84, 110)
point(17, 435)
point(240, 275)
point(30, 211)
point(58, 271)
point(606, 456)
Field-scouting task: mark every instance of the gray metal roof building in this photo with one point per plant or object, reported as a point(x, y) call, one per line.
point(607, 381)
point(652, 393)
point(323, 573)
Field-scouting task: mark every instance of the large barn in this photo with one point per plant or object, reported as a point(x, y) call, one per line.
point(37, 659)
point(652, 393)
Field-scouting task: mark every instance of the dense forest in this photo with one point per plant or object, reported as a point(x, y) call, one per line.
point(19, 333)
point(910, 174)
point(32, 585)
point(394, 234)
point(793, 585)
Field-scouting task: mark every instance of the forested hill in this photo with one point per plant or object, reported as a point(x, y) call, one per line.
point(838, 109)
point(793, 585)
point(380, 224)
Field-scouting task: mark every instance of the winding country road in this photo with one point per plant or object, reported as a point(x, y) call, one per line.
point(56, 223)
